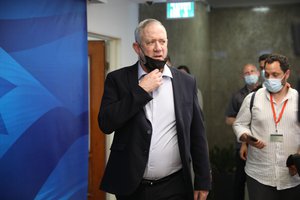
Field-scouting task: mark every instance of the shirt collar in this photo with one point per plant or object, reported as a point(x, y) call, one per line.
point(289, 94)
point(166, 72)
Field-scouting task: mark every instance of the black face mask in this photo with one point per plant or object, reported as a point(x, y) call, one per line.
point(152, 64)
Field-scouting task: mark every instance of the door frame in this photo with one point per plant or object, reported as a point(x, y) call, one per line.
point(112, 48)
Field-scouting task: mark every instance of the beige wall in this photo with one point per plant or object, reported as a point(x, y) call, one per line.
point(216, 45)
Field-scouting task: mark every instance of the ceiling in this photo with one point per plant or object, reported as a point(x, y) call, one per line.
point(229, 3)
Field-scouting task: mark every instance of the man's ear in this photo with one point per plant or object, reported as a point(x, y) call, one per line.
point(287, 74)
point(136, 48)
point(242, 76)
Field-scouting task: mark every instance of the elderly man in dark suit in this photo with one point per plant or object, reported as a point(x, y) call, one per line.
point(158, 128)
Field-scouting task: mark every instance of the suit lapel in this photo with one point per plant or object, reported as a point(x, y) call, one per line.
point(132, 75)
point(177, 91)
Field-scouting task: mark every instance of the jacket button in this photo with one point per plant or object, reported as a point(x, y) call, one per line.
point(149, 132)
point(145, 152)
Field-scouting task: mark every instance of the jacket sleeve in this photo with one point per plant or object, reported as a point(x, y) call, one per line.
point(199, 148)
point(120, 102)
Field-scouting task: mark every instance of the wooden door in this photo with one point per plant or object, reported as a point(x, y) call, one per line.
point(96, 52)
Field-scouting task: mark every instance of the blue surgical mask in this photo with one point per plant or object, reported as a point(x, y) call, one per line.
point(251, 79)
point(273, 85)
point(262, 74)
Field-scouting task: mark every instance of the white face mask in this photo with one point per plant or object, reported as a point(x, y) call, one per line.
point(273, 85)
point(251, 79)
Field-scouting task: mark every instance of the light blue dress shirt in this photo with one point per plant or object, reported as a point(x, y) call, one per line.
point(164, 157)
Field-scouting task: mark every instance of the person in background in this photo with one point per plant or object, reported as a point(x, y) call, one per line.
point(272, 132)
point(158, 128)
point(185, 69)
point(250, 75)
point(293, 161)
point(261, 61)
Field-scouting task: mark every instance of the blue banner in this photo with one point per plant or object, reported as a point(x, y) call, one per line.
point(43, 100)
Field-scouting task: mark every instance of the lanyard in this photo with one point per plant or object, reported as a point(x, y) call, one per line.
point(274, 113)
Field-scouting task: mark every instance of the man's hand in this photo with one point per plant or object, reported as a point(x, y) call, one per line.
point(230, 120)
point(293, 162)
point(252, 141)
point(292, 170)
point(151, 81)
point(244, 151)
point(200, 194)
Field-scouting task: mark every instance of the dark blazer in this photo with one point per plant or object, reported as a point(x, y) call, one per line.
point(122, 112)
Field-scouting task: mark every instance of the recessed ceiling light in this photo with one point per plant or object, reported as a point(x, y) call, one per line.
point(262, 9)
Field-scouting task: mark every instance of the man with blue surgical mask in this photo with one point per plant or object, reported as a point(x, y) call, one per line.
point(272, 132)
point(250, 74)
point(261, 60)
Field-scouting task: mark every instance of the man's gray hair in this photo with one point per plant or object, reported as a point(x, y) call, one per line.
point(141, 26)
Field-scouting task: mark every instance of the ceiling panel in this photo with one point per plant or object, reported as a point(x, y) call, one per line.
point(230, 3)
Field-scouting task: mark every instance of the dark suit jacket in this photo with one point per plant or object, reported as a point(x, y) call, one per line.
point(122, 111)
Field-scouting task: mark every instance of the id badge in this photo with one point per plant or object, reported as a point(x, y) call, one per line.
point(276, 138)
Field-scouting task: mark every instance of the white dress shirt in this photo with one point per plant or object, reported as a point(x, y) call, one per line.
point(268, 165)
point(164, 157)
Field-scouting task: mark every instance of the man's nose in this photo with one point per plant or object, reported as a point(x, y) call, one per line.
point(157, 46)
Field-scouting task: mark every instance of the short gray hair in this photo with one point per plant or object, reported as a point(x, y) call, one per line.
point(141, 26)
